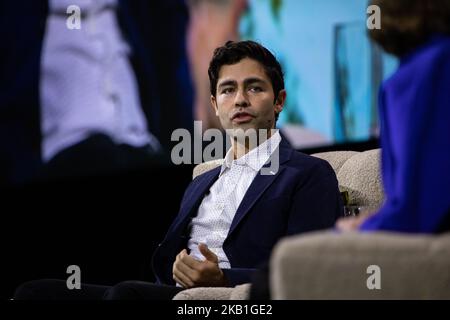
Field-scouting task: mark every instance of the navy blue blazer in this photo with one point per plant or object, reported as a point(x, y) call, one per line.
point(302, 196)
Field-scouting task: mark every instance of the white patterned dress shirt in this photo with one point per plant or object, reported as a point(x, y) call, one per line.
point(87, 83)
point(219, 206)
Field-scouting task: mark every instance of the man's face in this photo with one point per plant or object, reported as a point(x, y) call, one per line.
point(245, 98)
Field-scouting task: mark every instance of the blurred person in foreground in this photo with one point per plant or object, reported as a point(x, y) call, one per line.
point(414, 108)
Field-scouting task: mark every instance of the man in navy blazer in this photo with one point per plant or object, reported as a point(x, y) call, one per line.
point(232, 216)
point(247, 92)
point(302, 196)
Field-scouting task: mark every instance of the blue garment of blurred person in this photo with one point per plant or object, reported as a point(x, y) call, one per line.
point(96, 91)
point(415, 140)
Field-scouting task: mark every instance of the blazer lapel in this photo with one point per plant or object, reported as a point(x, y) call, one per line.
point(199, 189)
point(259, 185)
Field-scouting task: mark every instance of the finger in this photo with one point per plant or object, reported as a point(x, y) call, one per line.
point(339, 221)
point(346, 224)
point(181, 253)
point(183, 272)
point(191, 273)
point(342, 225)
point(208, 254)
point(177, 260)
point(185, 281)
point(190, 261)
point(181, 283)
point(180, 265)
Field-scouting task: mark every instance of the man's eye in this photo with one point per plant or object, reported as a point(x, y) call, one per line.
point(256, 89)
point(227, 90)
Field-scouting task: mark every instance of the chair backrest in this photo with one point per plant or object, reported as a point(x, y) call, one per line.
point(358, 173)
point(205, 166)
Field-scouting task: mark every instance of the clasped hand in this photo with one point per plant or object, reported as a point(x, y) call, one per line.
point(189, 272)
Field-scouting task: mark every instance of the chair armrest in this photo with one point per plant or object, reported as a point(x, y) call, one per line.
point(329, 265)
point(240, 292)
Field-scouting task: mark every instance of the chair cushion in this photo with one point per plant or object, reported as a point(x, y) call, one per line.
point(360, 176)
point(240, 292)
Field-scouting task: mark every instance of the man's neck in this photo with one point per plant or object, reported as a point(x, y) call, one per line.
point(242, 146)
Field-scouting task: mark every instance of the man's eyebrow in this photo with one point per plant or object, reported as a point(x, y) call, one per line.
point(246, 82)
point(254, 80)
point(227, 83)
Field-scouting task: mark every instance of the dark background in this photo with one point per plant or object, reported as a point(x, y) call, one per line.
point(107, 225)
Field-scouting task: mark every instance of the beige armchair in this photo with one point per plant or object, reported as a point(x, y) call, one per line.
point(327, 265)
point(333, 266)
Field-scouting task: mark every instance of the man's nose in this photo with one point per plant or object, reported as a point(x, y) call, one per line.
point(241, 99)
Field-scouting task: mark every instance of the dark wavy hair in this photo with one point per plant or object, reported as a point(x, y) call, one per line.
point(233, 52)
point(406, 24)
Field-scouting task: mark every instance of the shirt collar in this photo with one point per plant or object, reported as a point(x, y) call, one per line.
point(255, 158)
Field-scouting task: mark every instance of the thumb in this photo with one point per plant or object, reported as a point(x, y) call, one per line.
point(208, 254)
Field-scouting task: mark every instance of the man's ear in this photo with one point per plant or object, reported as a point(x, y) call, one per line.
point(214, 105)
point(279, 102)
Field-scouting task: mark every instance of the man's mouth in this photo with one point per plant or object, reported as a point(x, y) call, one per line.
point(242, 117)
